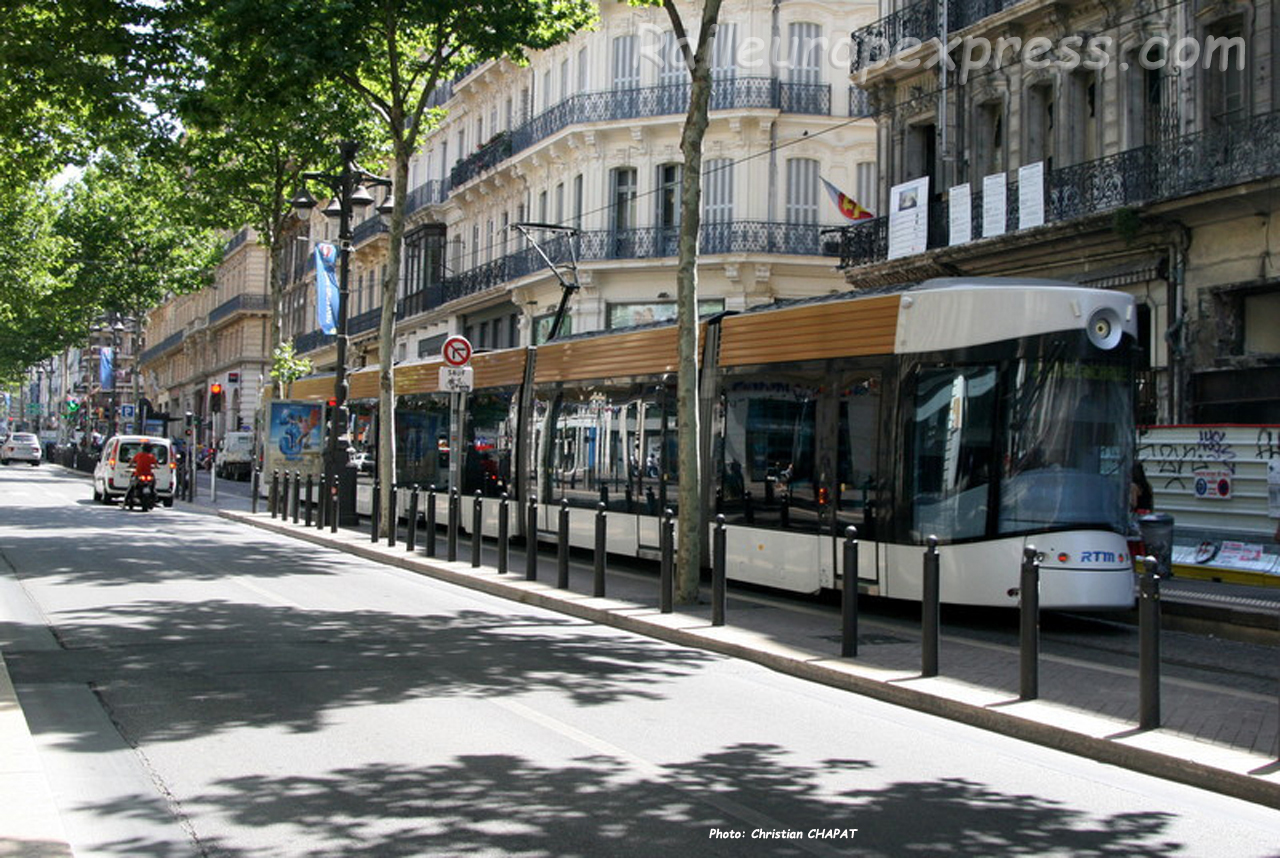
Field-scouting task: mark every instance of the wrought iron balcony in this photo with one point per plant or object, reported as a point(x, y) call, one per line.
point(428, 193)
point(312, 340)
point(718, 238)
point(916, 23)
point(367, 229)
point(236, 241)
point(247, 303)
point(166, 345)
point(1226, 155)
point(366, 321)
point(614, 105)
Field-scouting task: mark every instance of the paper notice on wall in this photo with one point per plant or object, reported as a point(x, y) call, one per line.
point(961, 214)
point(909, 218)
point(1031, 195)
point(995, 205)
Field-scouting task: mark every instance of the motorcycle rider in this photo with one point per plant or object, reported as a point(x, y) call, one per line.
point(143, 463)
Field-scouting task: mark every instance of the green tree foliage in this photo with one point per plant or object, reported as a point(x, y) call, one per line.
point(393, 54)
point(38, 312)
point(287, 367)
point(133, 236)
point(75, 75)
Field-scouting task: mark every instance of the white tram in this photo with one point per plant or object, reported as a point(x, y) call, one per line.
point(991, 413)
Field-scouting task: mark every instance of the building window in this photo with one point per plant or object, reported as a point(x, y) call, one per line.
point(922, 153)
point(623, 206)
point(725, 52)
point(626, 65)
point(802, 191)
point(988, 139)
point(1039, 119)
point(805, 42)
point(717, 190)
point(1085, 107)
point(1224, 71)
point(577, 201)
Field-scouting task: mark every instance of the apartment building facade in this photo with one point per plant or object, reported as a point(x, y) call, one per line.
point(1125, 145)
point(221, 334)
point(585, 138)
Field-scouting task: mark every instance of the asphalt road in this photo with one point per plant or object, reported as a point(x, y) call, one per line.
point(197, 687)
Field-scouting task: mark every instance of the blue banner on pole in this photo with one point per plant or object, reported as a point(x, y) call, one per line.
point(107, 368)
point(326, 288)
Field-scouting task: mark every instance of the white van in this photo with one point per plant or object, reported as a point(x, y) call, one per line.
point(235, 456)
point(114, 471)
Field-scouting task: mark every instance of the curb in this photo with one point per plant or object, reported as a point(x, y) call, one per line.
point(1228, 771)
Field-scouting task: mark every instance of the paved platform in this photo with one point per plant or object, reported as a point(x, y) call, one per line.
point(1225, 742)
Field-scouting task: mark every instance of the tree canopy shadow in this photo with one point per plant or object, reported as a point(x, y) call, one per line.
point(507, 805)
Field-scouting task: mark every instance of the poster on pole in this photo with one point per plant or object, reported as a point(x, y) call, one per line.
point(909, 218)
point(295, 439)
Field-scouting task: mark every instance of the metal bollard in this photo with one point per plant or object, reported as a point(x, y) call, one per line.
point(307, 500)
point(477, 515)
point(322, 502)
point(1029, 625)
point(283, 500)
point(666, 578)
point(333, 503)
point(531, 540)
point(274, 493)
point(930, 611)
point(297, 495)
point(597, 570)
point(255, 481)
point(393, 518)
point(719, 593)
point(849, 596)
point(562, 546)
point(431, 521)
point(375, 513)
point(411, 537)
point(504, 533)
point(1149, 645)
point(455, 509)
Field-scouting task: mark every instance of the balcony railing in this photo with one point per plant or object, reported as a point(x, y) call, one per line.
point(727, 93)
point(367, 229)
point(428, 193)
point(1228, 155)
point(167, 344)
point(311, 340)
point(365, 321)
point(718, 238)
point(247, 303)
point(919, 21)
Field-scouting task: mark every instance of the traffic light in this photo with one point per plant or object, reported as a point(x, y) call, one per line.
point(215, 397)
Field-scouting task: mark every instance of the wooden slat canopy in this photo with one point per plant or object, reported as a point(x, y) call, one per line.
point(862, 326)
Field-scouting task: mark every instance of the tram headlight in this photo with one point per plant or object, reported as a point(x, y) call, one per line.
point(1105, 328)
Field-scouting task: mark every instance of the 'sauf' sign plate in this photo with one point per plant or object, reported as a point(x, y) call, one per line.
point(457, 379)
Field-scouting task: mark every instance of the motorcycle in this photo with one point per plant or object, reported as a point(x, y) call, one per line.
point(142, 492)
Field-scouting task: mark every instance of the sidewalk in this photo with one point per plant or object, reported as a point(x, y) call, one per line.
point(1221, 742)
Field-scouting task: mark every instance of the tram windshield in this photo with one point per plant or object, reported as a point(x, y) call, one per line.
point(1067, 458)
point(1046, 444)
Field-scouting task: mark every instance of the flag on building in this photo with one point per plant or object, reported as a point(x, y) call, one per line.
point(848, 207)
point(326, 288)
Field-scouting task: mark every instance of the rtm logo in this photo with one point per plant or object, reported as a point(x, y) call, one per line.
point(1098, 557)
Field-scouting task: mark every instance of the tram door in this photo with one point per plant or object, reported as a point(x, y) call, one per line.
point(847, 472)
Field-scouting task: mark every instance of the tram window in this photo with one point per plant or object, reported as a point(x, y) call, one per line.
point(606, 443)
point(490, 443)
point(766, 458)
point(951, 466)
point(421, 420)
point(858, 446)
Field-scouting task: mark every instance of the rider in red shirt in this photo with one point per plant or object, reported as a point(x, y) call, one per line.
point(144, 461)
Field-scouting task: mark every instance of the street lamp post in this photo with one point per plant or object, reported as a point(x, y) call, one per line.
point(348, 189)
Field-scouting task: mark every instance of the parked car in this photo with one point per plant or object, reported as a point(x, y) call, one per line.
point(362, 461)
point(21, 447)
point(114, 471)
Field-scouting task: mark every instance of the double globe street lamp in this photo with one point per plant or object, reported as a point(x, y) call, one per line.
point(348, 190)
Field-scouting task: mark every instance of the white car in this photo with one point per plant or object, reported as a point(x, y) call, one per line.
point(114, 471)
point(20, 447)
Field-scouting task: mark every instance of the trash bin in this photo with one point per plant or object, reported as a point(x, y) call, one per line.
point(1157, 534)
